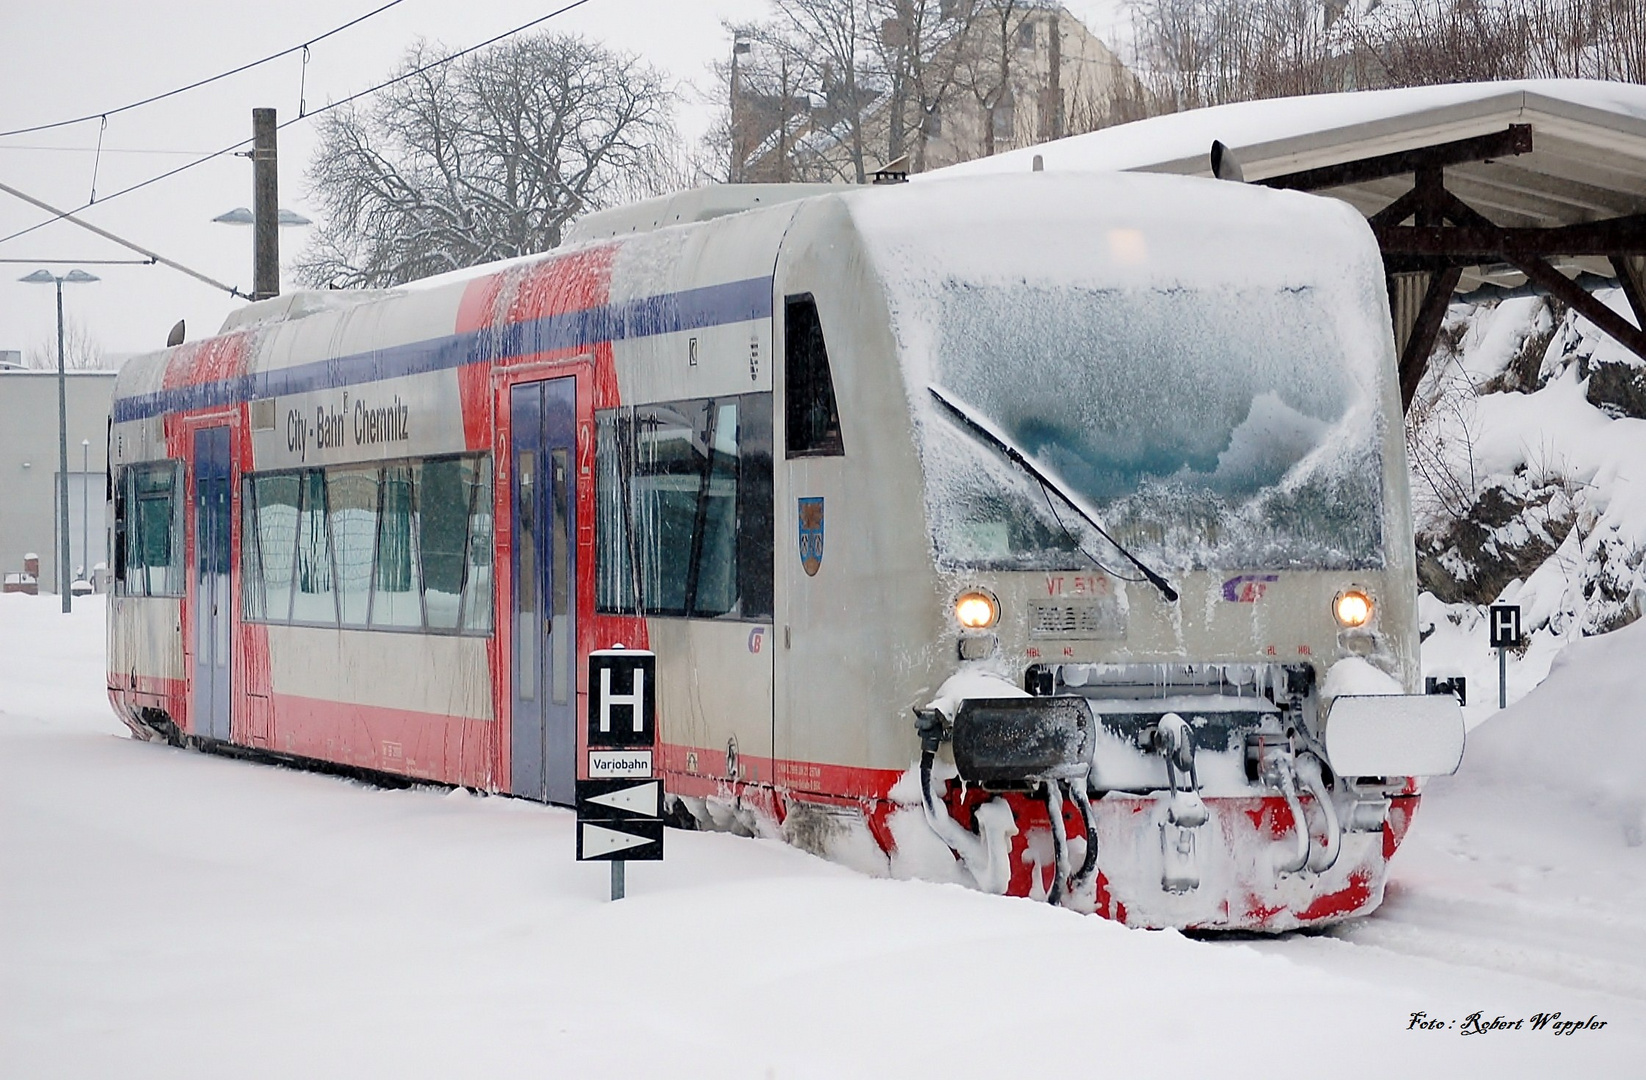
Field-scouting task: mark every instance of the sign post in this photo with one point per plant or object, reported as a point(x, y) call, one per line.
point(1504, 627)
point(620, 805)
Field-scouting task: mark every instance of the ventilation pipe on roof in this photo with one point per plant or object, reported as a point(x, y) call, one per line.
point(1225, 166)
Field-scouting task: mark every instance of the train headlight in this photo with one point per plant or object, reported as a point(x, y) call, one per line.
point(1353, 607)
point(976, 610)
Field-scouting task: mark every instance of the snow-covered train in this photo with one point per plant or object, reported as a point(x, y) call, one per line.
point(1045, 532)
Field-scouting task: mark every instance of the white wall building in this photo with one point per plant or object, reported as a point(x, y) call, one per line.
point(29, 473)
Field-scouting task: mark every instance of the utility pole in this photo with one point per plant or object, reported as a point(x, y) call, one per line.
point(265, 206)
point(1055, 82)
point(734, 168)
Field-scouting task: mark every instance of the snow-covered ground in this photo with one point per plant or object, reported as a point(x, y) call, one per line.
point(165, 913)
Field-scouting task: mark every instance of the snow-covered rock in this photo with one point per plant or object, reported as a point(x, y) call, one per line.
point(1527, 444)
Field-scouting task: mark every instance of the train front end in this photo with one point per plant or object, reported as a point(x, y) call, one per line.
point(1160, 434)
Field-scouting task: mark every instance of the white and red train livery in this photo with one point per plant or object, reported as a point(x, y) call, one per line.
point(1044, 532)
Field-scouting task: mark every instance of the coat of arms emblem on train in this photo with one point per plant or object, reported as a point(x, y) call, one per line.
point(811, 535)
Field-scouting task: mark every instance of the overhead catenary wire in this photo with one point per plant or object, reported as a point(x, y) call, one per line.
point(122, 241)
point(59, 215)
point(85, 262)
point(106, 113)
point(105, 150)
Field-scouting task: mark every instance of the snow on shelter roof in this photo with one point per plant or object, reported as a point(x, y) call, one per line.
point(1588, 160)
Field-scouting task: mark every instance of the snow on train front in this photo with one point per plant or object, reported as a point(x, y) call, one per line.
point(1165, 484)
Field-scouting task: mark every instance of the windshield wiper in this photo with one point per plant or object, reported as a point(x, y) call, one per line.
point(990, 435)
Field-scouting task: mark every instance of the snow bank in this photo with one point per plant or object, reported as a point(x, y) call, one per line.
point(1580, 734)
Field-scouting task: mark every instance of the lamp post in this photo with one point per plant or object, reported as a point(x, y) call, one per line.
point(73, 277)
point(85, 510)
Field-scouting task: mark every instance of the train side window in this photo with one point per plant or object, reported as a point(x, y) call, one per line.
point(251, 559)
point(396, 591)
point(352, 494)
point(683, 508)
point(153, 530)
point(670, 462)
point(615, 584)
point(754, 507)
point(314, 601)
point(277, 498)
point(712, 581)
point(117, 493)
point(443, 524)
point(477, 577)
point(364, 546)
point(813, 419)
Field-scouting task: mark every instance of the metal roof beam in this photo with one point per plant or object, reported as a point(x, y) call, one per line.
point(1527, 179)
point(1513, 140)
point(1609, 321)
point(1481, 241)
point(1631, 274)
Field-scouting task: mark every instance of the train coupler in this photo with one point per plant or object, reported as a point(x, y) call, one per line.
point(1186, 814)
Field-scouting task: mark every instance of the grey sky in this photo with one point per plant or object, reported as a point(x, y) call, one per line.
point(73, 57)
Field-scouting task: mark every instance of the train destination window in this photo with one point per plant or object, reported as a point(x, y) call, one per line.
point(405, 546)
point(813, 420)
point(683, 508)
point(149, 525)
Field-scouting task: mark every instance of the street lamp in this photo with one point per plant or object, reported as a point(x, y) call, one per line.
point(241, 216)
point(284, 219)
point(73, 277)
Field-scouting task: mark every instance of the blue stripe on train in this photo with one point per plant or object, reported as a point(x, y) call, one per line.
point(689, 309)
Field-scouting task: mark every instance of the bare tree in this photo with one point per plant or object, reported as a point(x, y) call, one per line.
point(81, 350)
point(835, 47)
point(1191, 53)
point(921, 45)
point(985, 69)
point(487, 157)
point(770, 84)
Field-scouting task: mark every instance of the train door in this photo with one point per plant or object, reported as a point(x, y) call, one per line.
point(543, 722)
point(212, 519)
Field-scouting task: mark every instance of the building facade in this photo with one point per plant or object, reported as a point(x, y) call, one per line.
point(1009, 75)
point(29, 477)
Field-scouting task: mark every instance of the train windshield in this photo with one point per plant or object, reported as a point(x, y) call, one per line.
point(1207, 428)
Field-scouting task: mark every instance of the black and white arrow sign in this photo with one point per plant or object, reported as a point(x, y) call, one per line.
point(620, 819)
point(632, 840)
point(619, 798)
